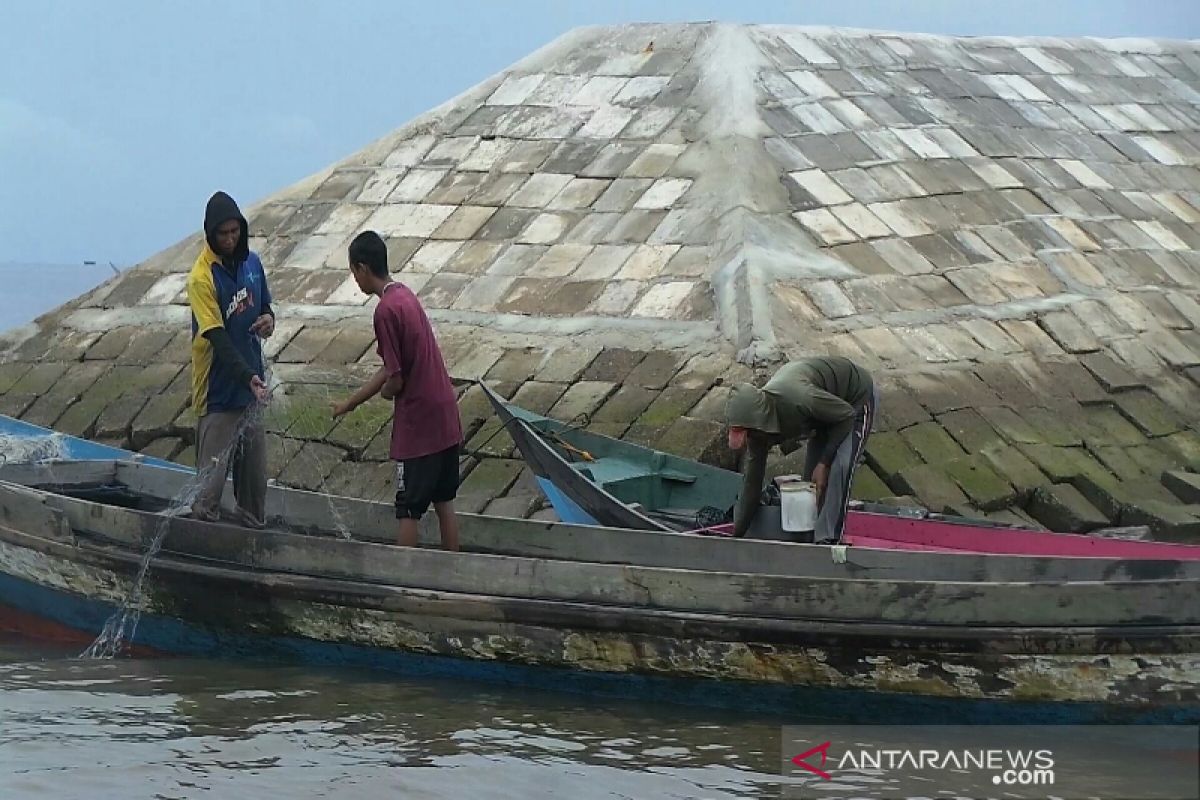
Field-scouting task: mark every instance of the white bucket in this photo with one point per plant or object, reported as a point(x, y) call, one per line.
point(798, 506)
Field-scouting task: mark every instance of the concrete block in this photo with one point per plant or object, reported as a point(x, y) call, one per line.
point(698, 440)
point(347, 346)
point(492, 477)
point(868, 486)
point(1010, 425)
point(515, 506)
point(516, 365)
point(986, 489)
point(888, 454)
point(897, 407)
point(1018, 470)
point(654, 371)
point(357, 429)
point(1105, 426)
point(1062, 464)
point(613, 365)
point(1184, 485)
point(581, 400)
point(1169, 521)
point(932, 486)
point(311, 465)
point(566, 364)
point(280, 452)
point(932, 443)
point(1062, 508)
point(625, 406)
point(1151, 415)
point(163, 448)
point(1112, 376)
point(971, 430)
point(1186, 446)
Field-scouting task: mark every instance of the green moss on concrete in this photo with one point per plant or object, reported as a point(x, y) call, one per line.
point(984, 487)
point(932, 443)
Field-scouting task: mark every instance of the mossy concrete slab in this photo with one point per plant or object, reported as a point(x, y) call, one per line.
point(713, 405)
point(347, 347)
point(932, 443)
point(888, 453)
point(311, 465)
point(516, 365)
point(868, 486)
point(515, 506)
point(280, 452)
point(39, 379)
point(1118, 461)
point(1009, 424)
point(1062, 508)
point(655, 370)
point(1151, 415)
point(357, 429)
point(1113, 376)
point(625, 406)
point(1155, 460)
point(492, 477)
point(698, 440)
point(1184, 485)
point(1113, 497)
point(164, 448)
point(671, 404)
point(1186, 446)
point(613, 365)
point(984, 487)
point(972, 432)
point(1018, 470)
point(1061, 464)
point(897, 407)
point(930, 484)
point(1055, 427)
point(1106, 426)
point(581, 400)
point(566, 364)
point(1169, 521)
point(11, 373)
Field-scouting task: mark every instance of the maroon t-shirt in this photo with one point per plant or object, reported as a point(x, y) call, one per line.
point(426, 419)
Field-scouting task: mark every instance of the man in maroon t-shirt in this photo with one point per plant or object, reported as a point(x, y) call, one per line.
point(426, 431)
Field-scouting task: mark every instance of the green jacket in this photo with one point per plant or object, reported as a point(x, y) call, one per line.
point(819, 395)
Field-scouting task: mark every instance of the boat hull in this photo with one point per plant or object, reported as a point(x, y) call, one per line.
point(206, 610)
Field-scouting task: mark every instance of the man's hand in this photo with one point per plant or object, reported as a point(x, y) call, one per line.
point(262, 393)
point(264, 326)
point(820, 479)
point(342, 408)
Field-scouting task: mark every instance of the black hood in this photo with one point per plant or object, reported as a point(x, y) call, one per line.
point(220, 209)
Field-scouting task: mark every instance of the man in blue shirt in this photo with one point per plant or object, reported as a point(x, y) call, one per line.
point(231, 314)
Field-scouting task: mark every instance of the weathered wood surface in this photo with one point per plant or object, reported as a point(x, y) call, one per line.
point(505, 536)
point(218, 598)
point(1147, 602)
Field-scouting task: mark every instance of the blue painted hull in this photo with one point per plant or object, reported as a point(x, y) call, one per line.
point(566, 508)
point(75, 448)
point(794, 703)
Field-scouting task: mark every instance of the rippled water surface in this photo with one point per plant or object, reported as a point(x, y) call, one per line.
point(176, 728)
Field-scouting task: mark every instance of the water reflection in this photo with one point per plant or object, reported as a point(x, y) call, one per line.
point(185, 728)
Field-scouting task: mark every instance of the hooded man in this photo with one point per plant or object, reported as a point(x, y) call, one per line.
point(231, 313)
point(828, 400)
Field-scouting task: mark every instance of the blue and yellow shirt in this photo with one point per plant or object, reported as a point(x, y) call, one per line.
point(222, 299)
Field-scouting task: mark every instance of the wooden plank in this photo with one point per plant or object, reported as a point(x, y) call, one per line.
point(925, 602)
point(528, 538)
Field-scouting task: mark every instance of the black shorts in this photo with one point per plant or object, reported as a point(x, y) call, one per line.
point(424, 480)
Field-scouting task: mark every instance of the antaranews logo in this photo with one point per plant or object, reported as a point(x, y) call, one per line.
point(1007, 767)
point(1074, 762)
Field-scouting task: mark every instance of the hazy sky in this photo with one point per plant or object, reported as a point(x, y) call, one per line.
point(118, 119)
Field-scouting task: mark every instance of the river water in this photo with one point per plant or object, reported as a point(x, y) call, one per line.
point(182, 728)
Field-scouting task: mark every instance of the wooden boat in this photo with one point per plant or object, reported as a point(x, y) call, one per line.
point(591, 479)
point(765, 625)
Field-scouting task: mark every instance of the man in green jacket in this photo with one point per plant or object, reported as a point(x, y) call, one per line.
point(829, 401)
